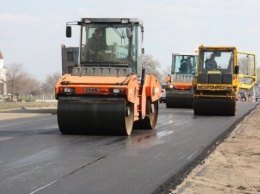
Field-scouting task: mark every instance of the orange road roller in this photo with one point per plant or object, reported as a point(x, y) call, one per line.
point(104, 89)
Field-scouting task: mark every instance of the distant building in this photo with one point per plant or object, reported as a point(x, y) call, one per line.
point(2, 76)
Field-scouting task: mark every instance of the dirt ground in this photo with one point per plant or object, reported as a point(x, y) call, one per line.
point(233, 167)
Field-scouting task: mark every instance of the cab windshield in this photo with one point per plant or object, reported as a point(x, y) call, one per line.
point(184, 64)
point(109, 44)
point(216, 60)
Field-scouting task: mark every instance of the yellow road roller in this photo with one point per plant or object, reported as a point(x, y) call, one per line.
point(218, 80)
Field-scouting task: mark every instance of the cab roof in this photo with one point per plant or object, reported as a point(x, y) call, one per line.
point(112, 20)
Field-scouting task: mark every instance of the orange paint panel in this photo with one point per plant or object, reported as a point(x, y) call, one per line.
point(132, 89)
point(93, 79)
point(182, 86)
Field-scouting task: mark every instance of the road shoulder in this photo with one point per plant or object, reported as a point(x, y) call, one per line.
point(233, 167)
point(17, 113)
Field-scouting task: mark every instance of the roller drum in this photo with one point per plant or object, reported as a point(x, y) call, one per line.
point(150, 120)
point(213, 106)
point(95, 116)
point(179, 100)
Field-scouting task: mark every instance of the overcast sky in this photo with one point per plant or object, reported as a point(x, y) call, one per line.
point(32, 31)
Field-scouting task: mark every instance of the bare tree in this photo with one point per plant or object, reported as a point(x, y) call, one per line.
point(31, 86)
point(15, 81)
point(50, 82)
point(21, 83)
point(152, 66)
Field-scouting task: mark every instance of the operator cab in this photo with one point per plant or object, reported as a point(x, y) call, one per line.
point(183, 67)
point(221, 61)
point(184, 63)
point(111, 42)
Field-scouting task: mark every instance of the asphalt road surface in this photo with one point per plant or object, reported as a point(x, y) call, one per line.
point(36, 158)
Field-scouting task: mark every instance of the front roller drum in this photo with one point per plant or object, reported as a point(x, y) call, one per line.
point(174, 100)
point(106, 118)
point(213, 106)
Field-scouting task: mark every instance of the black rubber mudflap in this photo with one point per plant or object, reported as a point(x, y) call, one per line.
point(106, 118)
point(179, 100)
point(214, 106)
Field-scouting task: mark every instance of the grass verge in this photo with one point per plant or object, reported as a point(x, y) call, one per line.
point(17, 105)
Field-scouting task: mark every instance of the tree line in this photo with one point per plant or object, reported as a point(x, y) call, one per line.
point(21, 85)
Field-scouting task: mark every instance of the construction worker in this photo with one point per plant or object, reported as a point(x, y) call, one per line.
point(95, 44)
point(211, 63)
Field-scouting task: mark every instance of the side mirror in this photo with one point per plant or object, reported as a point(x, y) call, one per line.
point(129, 33)
point(68, 31)
point(236, 70)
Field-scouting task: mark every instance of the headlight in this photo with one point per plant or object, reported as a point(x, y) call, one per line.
point(172, 86)
point(87, 21)
point(68, 90)
point(124, 21)
point(116, 90)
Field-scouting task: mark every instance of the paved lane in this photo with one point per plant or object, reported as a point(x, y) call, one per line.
point(36, 158)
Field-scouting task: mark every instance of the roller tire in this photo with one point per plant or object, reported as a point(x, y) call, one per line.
point(150, 120)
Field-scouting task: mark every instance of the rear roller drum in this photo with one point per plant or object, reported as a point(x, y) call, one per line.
point(174, 100)
point(150, 120)
point(179, 102)
point(129, 120)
